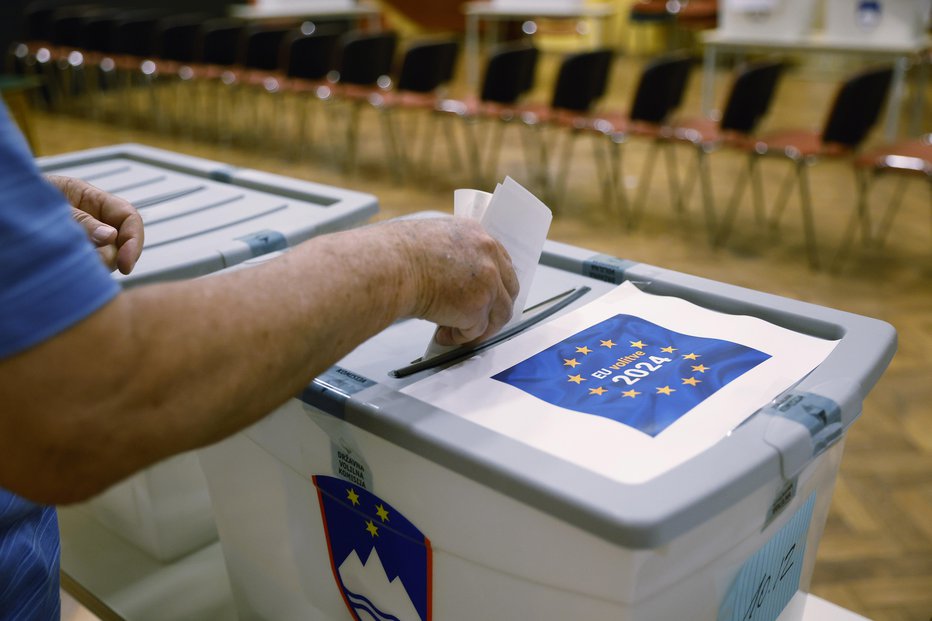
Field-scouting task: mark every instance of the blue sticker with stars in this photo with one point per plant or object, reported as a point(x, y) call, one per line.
point(632, 371)
point(380, 560)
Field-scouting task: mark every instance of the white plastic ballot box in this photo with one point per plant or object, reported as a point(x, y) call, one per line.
point(767, 20)
point(877, 22)
point(200, 216)
point(359, 500)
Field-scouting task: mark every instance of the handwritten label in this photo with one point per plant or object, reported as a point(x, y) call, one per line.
point(768, 580)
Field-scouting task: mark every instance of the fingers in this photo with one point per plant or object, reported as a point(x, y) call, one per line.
point(101, 234)
point(105, 210)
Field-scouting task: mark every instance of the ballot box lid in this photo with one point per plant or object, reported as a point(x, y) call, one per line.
point(373, 390)
point(202, 216)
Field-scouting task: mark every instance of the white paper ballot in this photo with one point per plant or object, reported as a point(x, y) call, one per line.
point(519, 221)
point(630, 385)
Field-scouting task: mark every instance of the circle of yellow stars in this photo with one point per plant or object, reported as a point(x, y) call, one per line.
point(380, 511)
point(640, 345)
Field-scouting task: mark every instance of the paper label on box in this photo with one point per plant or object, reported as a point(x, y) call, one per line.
point(630, 385)
point(768, 580)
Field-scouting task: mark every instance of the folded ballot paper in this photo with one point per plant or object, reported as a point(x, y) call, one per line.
point(630, 385)
point(519, 221)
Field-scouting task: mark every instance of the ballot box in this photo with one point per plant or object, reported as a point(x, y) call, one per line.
point(542, 475)
point(767, 20)
point(200, 216)
point(877, 22)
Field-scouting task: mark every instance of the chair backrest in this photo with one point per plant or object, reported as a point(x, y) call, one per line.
point(582, 80)
point(136, 35)
point(262, 48)
point(67, 26)
point(364, 58)
point(750, 96)
point(509, 72)
point(178, 38)
point(427, 65)
point(661, 87)
point(312, 56)
point(99, 33)
point(857, 107)
point(220, 41)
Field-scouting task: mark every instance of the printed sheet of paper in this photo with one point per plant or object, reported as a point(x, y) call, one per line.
point(519, 221)
point(630, 385)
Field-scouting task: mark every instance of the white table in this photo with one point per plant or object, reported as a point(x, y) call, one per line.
point(476, 12)
point(903, 55)
point(309, 10)
point(117, 582)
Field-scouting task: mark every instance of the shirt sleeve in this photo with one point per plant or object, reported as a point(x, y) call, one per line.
point(50, 274)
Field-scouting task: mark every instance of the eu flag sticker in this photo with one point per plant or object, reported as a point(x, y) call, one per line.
point(632, 371)
point(380, 561)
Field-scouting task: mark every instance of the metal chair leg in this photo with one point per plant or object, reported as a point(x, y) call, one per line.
point(784, 196)
point(805, 200)
point(728, 219)
point(615, 146)
point(708, 199)
point(895, 203)
point(673, 178)
point(647, 174)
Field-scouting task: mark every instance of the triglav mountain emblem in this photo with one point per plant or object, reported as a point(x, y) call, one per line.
point(380, 561)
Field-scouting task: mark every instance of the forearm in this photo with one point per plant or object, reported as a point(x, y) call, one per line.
point(190, 362)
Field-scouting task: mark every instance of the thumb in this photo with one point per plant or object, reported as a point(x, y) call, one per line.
point(101, 234)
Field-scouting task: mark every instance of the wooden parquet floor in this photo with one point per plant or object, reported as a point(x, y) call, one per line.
point(876, 554)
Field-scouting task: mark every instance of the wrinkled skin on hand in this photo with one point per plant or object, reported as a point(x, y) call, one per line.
point(464, 278)
point(111, 223)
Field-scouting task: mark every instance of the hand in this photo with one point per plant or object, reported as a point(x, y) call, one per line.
point(111, 223)
point(464, 279)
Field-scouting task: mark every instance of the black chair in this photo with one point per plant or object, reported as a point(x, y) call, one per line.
point(364, 61)
point(363, 58)
point(659, 93)
point(855, 111)
point(747, 103)
point(510, 72)
point(426, 68)
point(308, 59)
point(581, 81)
point(911, 158)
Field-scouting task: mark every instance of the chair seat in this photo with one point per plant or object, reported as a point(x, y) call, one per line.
point(405, 99)
point(535, 114)
point(707, 132)
point(910, 156)
point(617, 123)
point(798, 143)
point(473, 107)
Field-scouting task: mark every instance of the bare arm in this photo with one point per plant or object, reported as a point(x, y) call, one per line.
point(170, 367)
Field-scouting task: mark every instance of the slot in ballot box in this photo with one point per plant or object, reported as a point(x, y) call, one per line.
point(767, 20)
point(481, 486)
point(200, 216)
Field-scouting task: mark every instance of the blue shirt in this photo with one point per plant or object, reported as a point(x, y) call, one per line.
point(50, 278)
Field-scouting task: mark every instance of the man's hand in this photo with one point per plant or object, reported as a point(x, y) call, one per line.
point(111, 223)
point(463, 278)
